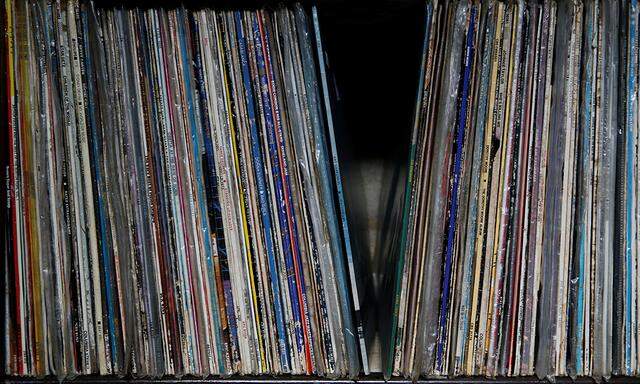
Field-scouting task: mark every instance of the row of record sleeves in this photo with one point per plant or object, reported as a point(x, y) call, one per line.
point(174, 200)
point(518, 248)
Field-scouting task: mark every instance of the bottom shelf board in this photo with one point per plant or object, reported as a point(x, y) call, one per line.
point(370, 379)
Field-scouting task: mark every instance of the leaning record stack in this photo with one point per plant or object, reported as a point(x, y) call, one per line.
point(171, 191)
point(520, 235)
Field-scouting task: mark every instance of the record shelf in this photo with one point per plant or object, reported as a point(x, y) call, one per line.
point(375, 54)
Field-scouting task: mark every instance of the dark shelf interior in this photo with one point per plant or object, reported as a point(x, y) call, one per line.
point(374, 52)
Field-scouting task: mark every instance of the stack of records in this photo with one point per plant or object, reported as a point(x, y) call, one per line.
point(172, 189)
point(520, 238)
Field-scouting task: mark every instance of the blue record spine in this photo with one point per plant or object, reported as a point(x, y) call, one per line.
point(462, 122)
